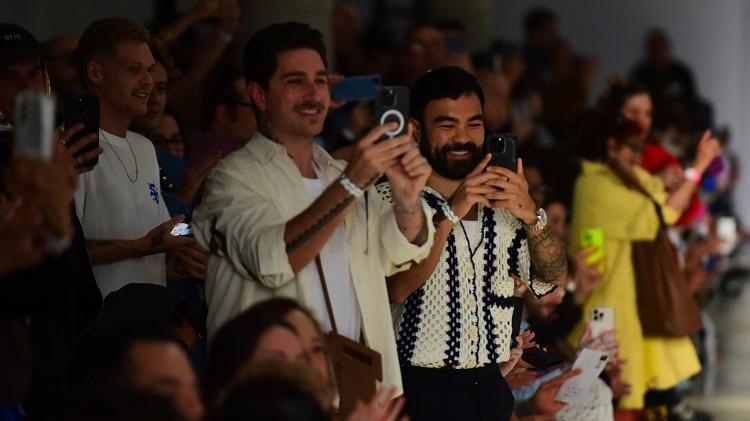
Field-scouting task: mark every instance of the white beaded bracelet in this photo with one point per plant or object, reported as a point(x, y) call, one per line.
point(448, 212)
point(350, 187)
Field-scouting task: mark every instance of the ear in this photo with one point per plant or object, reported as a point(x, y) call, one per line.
point(258, 96)
point(417, 133)
point(611, 146)
point(94, 72)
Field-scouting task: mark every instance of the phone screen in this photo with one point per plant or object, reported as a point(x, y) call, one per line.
point(182, 229)
point(35, 124)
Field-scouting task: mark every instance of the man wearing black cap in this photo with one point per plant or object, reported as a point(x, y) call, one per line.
point(59, 295)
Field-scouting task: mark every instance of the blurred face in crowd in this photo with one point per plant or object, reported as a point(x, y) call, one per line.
point(123, 83)
point(312, 341)
point(639, 109)
point(236, 120)
point(279, 343)
point(625, 155)
point(297, 99)
point(496, 90)
point(169, 133)
point(556, 218)
point(431, 43)
point(59, 56)
point(162, 367)
point(659, 49)
point(453, 135)
point(23, 75)
point(157, 100)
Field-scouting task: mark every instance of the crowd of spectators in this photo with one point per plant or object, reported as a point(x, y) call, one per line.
point(308, 227)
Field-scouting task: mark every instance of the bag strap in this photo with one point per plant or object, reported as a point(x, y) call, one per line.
point(322, 277)
point(637, 186)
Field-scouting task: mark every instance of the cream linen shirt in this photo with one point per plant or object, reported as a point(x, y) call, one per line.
point(250, 196)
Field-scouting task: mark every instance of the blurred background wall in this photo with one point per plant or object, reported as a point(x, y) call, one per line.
point(712, 37)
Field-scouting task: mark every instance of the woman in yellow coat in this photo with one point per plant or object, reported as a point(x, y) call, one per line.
point(603, 199)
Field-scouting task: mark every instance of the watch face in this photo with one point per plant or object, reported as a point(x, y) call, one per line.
point(541, 216)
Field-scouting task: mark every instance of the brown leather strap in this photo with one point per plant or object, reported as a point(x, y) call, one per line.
point(319, 265)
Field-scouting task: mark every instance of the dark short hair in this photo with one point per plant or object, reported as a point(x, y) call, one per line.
point(536, 18)
point(264, 46)
point(162, 56)
point(442, 82)
point(618, 93)
point(102, 37)
point(600, 126)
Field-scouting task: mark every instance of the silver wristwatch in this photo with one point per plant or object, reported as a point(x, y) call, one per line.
point(541, 221)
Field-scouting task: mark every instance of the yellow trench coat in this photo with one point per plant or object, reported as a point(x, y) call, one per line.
point(601, 200)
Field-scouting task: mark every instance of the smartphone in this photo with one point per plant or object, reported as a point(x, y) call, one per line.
point(593, 238)
point(726, 230)
point(182, 229)
point(392, 105)
point(503, 147)
point(540, 358)
point(356, 88)
point(83, 109)
point(592, 363)
point(602, 320)
point(35, 124)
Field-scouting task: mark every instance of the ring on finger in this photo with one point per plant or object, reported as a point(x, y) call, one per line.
point(79, 161)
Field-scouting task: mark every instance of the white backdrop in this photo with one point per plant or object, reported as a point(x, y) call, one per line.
point(712, 37)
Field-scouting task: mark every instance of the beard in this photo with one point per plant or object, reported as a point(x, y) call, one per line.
point(452, 169)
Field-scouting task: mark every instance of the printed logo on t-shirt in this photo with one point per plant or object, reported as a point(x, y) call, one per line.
point(153, 192)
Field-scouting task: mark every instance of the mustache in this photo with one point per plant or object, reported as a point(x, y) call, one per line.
point(318, 106)
point(460, 147)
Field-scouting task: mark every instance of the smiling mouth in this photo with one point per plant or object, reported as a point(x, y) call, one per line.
point(459, 154)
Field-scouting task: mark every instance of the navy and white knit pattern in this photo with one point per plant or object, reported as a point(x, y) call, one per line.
point(461, 316)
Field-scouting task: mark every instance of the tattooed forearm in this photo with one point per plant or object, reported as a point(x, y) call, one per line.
point(548, 260)
point(318, 225)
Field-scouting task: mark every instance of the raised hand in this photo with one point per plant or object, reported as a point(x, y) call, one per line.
point(513, 193)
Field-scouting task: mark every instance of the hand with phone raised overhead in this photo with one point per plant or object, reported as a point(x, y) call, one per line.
point(512, 193)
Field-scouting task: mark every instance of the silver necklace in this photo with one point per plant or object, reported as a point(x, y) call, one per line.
point(132, 180)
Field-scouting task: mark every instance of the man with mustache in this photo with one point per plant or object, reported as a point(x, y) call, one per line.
point(124, 219)
point(275, 206)
point(453, 312)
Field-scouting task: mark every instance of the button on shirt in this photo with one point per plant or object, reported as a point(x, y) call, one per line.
point(250, 196)
point(461, 316)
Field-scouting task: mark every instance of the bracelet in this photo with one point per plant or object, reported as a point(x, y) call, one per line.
point(350, 187)
point(448, 212)
point(693, 175)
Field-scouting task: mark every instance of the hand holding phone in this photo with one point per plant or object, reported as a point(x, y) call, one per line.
point(602, 320)
point(593, 239)
point(392, 106)
point(83, 110)
point(591, 363)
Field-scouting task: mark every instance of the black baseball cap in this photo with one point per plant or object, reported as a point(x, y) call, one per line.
point(17, 43)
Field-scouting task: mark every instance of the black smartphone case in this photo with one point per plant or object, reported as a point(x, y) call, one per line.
point(392, 105)
point(83, 109)
point(504, 150)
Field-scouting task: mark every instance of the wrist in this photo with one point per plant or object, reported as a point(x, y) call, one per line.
point(350, 186)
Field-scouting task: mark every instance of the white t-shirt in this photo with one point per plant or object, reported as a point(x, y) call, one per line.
point(472, 235)
point(112, 207)
point(335, 262)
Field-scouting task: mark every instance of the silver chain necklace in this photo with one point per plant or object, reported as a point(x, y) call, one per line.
point(132, 180)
